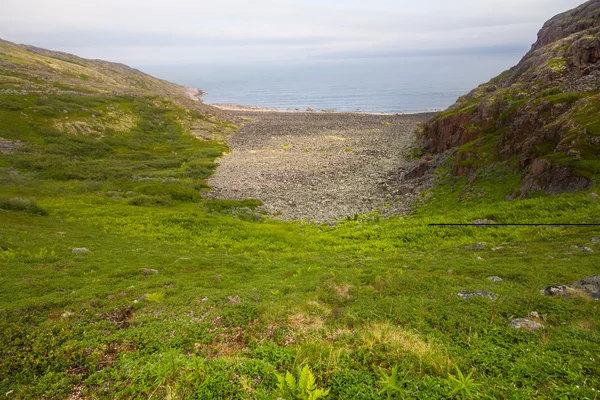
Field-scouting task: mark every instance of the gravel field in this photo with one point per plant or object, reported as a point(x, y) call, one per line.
point(321, 166)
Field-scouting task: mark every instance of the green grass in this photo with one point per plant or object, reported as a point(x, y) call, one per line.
point(369, 304)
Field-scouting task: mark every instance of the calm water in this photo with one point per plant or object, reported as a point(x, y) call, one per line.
point(375, 85)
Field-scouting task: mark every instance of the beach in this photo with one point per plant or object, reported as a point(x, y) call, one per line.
point(321, 166)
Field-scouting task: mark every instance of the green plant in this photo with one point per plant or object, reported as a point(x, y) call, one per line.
point(157, 297)
point(20, 204)
point(463, 387)
point(391, 384)
point(303, 388)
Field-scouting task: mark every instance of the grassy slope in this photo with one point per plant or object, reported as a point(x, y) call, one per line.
point(353, 300)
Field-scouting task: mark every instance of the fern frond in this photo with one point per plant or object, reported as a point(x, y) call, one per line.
point(291, 382)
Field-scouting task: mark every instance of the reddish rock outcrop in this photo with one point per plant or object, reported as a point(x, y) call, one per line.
point(543, 112)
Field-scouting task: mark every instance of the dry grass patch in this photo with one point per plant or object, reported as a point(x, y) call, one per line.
point(405, 341)
point(301, 321)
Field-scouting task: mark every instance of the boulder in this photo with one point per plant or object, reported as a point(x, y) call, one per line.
point(524, 323)
point(234, 299)
point(79, 250)
point(555, 290)
point(149, 271)
point(589, 285)
point(466, 294)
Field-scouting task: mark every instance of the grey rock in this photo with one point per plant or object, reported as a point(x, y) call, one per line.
point(9, 146)
point(149, 271)
point(484, 221)
point(555, 290)
point(476, 246)
point(494, 278)
point(142, 297)
point(590, 285)
point(79, 250)
point(465, 294)
point(234, 299)
point(524, 323)
point(595, 240)
point(593, 196)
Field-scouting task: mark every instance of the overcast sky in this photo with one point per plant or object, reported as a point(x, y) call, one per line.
point(144, 32)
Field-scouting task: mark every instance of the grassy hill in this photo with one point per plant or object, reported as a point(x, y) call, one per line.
point(184, 297)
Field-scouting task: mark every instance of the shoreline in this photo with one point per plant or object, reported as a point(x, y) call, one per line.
point(236, 107)
point(193, 94)
point(196, 94)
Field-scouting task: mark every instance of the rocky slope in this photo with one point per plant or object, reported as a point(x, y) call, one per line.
point(541, 117)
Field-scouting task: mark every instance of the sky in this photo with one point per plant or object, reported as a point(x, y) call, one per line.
point(171, 32)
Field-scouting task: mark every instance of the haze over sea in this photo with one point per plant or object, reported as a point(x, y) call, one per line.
point(390, 85)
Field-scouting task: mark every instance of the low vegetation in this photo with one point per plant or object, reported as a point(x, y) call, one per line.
point(368, 306)
point(120, 280)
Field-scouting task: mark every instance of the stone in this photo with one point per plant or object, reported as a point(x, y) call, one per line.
point(234, 299)
point(465, 294)
point(524, 323)
point(479, 258)
point(476, 246)
point(593, 196)
point(494, 278)
point(533, 315)
point(589, 285)
point(141, 298)
point(418, 171)
point(79, 250)
point(595, 240)
point(496, 248)
point(484, 221)
point(149, 271)
point(555, 290)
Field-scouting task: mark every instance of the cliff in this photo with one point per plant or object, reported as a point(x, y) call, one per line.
point(541, 117)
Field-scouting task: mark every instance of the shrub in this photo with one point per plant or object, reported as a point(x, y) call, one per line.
point(20, 204)
point(144, 200)
point(199, 169)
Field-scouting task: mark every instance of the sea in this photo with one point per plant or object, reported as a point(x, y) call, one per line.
point(386, 85)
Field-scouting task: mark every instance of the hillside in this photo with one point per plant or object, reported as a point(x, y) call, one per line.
point(31, 70)
point(538, 121)
point(120, 277)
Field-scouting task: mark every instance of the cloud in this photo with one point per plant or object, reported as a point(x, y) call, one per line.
point(159, 31)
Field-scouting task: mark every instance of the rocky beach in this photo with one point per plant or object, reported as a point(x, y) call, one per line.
point(321, 166)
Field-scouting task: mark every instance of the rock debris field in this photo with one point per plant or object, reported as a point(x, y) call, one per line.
point(321, 166)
